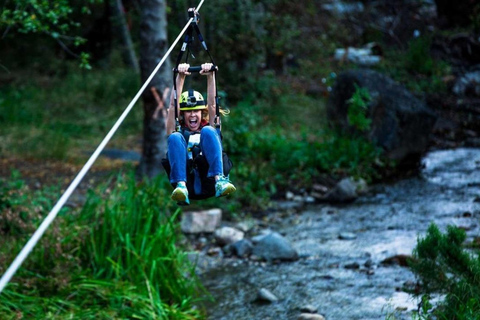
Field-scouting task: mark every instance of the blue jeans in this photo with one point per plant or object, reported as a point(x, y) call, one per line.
point(210, 145)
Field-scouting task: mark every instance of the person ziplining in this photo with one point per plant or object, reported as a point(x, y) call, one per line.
point(196, 164)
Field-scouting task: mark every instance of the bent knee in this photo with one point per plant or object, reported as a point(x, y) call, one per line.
point(209, 131)
point(176, 136)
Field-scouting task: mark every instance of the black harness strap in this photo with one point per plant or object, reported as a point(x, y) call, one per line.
point(186, 46)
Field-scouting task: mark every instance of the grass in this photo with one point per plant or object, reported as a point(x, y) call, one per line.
point(120, 256)
point(61, 116)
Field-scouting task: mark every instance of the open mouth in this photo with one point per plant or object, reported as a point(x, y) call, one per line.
point(193, 122)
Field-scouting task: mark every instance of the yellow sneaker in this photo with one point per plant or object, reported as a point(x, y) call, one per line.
point(223, 187)
point(180, 195)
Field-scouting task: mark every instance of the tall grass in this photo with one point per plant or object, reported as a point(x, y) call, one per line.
point(135, 239)
point(118, 257)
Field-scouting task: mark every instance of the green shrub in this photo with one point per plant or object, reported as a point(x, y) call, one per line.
point(444, 266)
point(357, 109)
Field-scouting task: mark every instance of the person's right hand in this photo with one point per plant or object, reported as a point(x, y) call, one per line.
point(183, 69)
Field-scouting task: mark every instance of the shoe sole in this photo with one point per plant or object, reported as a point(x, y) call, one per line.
point(228, 190)
point(180, 198)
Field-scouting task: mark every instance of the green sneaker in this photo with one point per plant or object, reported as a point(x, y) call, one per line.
point(223, 187)
point(180, 195)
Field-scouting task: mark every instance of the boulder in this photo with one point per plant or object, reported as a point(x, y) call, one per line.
point(275, 247)
point(201, 221)
point(401, 124)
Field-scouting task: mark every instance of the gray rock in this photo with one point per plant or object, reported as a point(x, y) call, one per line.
point(228, 235)
point(347, 236)
point(266, 296)
point(309, 309)
point(401, 123)
point(242, 248)
point(344, 191)
point(275, 247)
point(201, 221)
point(310, 316)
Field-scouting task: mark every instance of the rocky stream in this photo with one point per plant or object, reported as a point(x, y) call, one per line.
point(351, 257)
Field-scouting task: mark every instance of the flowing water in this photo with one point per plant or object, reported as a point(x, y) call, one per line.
point(344, 277)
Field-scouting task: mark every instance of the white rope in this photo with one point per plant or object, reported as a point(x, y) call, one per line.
point(53, 213)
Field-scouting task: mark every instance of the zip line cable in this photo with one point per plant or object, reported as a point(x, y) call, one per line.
point(61, 202)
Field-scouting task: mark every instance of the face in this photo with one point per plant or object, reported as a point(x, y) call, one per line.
point(192, 119)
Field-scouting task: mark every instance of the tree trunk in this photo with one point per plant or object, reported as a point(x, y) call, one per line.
point(123, 33)
point(153, 45)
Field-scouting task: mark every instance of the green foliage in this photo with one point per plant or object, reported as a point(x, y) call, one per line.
point(444, 266)
point(52, 18)
point(280, 141)
point(54, 118)
point(357, 109)
point(415, 68)
point(418, 58)
point(119, 257)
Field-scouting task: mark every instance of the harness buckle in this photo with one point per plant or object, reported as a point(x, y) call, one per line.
point(192, 13)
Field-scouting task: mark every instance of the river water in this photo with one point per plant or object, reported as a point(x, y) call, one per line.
point(344, 277)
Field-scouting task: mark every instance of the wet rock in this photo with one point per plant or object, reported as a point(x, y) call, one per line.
point(274, 247)
point(309, 309)
point(265, 295)
point(246, 225)
point(347, 236)
point(368, 263)
point(201, 221)
point(399, 259)
point(298, 198)
point(228, 235)
point(242, 248)
point(468, 84)
point(344, 191)
point(353, 265)
point(310, 316)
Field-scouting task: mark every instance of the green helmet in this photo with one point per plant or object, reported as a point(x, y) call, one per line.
point(192, 100)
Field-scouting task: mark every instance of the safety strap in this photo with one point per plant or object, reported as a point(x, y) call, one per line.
point(188, 39)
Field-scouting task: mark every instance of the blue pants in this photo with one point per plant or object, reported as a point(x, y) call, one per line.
point(210, 145)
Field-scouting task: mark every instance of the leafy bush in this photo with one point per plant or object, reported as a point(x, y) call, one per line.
point(444, 266)
point(357, 109)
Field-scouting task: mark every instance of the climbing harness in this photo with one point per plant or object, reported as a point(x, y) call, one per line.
point(17, 262)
